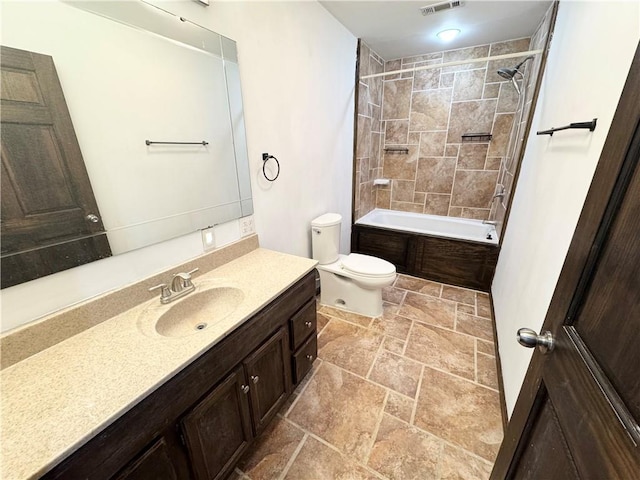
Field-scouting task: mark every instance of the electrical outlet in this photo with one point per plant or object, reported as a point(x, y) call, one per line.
point(246, 226)
point(208, 238)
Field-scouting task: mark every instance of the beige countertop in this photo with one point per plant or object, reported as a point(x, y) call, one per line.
point(56, 400)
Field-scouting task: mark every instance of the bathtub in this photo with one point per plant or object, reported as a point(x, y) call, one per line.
point(449, 227)
point(450, 250)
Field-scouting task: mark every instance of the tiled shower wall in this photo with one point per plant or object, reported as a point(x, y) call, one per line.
point(516, 142)
point(426, 112)
point(369, 131)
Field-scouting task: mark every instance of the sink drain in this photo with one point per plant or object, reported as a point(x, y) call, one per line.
point(201, 326)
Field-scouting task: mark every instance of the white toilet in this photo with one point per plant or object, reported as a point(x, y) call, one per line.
point(351, 282)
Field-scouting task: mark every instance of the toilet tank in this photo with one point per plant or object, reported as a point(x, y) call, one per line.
point(325, 238)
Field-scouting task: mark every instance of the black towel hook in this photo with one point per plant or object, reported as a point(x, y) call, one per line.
point(265, 158)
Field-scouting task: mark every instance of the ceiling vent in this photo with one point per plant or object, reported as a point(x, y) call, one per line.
point(440, 6)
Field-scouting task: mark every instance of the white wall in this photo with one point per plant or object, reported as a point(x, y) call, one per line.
point(590, 56)
point(298, 79)
point(297, 66)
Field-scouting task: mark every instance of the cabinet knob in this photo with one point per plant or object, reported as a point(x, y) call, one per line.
point(308, 324)
point(255, 378)
point(310, 358)
point(245, 388)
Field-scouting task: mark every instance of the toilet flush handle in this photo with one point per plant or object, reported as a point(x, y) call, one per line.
point(317, 231)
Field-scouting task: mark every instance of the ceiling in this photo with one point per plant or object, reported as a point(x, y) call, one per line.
point(397, 28)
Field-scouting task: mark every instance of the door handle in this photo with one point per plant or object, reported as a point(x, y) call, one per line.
point(530, 339)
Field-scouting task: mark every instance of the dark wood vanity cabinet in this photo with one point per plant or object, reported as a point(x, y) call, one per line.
point(163, 460)
point(199, 423)
point(218, 430)
point(304, 340)
point(269, 372)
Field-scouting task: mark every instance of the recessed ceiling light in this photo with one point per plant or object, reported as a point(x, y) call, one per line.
point(448, 35)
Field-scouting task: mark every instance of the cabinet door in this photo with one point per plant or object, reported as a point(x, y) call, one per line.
point(218, 430)
point(161, 461)
point(269, 371)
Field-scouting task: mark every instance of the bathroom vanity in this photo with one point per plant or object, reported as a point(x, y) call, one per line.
point(123, 401)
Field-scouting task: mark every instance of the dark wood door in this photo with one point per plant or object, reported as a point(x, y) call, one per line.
point(162, 461)
point(269, 373)
point(47, 199)
point(218, 430)
point(578, 413)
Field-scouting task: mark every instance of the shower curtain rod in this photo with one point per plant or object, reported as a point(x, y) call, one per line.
point(452, 64)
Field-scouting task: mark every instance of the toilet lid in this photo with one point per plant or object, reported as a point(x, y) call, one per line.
point(367, 265)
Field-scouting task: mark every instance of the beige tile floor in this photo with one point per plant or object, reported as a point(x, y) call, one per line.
point(409, 395)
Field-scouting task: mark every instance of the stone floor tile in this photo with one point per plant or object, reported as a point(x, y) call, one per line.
point(317, 461)
point(402, 452)
point(340, 408)
point(397, 373)
point(394, 326)
point(488, 348)
point(348, 346)
point(399, 406)
point(426, 309)
point(418, 285)
point(460, 412)
point(483, 305)
point(442, 349)
point(456, 464)
point(477, 326)
point(303, 383)
point(271, 452)
point(486, 370)
point(393, 295)
point(463, 308)
point(356, 318)
point(394, 345)
point(457, 294)
point(238, 475)
point(322, 320)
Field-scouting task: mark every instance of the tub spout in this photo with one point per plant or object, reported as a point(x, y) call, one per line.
point(490, 222)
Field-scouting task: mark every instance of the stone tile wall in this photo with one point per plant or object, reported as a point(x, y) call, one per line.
point(369, 131)
point(426, 112)
point(517, 142)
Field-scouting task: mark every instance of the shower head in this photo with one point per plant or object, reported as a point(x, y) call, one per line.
point(510, 73)
point(507, 73)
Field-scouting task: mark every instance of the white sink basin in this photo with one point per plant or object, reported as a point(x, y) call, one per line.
point(193, 313)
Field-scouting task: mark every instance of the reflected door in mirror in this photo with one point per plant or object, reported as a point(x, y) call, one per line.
point(50, 219)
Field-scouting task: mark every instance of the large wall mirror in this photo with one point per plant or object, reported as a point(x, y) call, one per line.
point(156, 111)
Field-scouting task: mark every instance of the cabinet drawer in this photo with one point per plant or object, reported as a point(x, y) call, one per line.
point(303, 323)
point(303, 358)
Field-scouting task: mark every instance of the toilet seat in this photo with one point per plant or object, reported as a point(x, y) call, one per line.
point(367, 266)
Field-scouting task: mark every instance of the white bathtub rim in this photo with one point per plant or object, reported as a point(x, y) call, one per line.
point(365, 220)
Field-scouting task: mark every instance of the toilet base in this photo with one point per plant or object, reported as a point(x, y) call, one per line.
point(343, 293)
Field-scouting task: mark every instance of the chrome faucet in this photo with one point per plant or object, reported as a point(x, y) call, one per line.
point(181, 285)
point(490, 222)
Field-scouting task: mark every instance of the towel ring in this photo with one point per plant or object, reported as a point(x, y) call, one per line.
point(265, 158)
